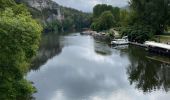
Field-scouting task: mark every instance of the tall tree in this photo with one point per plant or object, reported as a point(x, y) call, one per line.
point(152, 12)
point(19, 39)
point(104, 22)
point(100, 8)
point(6, 3)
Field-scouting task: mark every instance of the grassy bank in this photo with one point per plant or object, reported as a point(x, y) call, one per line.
point(162, 38)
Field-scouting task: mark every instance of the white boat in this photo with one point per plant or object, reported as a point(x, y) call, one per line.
point(122, 41)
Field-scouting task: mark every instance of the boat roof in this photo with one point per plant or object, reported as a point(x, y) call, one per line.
point(159, 45)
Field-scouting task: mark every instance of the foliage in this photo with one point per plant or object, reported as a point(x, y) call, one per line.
point(137, 33)
point(6, 3)
point(104, 22)
point(124, 18)
point(100, 8)
point(116, 14)
point(75, 20)
point(19, 39)
point(151, 12)
point(21, 28)
point(72, 20)
point(54, 26)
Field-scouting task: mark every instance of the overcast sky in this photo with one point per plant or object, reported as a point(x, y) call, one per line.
point(87, 5)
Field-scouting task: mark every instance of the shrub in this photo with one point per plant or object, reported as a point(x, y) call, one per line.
point(137, 33)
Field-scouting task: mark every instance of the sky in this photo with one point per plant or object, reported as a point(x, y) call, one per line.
point(87, 5)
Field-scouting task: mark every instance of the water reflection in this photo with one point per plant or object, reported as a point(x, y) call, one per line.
point(147, 74)
point(90, 70)
point(102, 48)
point(49, 48)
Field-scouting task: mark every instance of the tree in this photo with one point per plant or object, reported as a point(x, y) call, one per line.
point(100, 8)
point(54, 26)
point(152, 12)
point(137, 33)
point(107, 20)
point(124, 18)
point(6, 3)
point(19, 39)
point(116, 14)
point(105, 17)
point(104, 22)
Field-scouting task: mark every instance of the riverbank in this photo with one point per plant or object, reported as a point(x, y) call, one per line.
point(158, 49)
point(108, 35)
point(162, 38)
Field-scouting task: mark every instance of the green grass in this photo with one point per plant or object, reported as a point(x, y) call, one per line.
point(162, 38)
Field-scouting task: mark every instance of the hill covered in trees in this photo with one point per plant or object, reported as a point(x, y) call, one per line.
point(56, 18)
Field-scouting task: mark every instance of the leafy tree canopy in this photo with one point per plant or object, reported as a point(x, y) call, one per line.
point(155, 13)
point(104, 22)
point(6, 3)
point(19, 39)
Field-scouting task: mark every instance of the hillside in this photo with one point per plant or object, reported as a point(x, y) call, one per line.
point(55, 17)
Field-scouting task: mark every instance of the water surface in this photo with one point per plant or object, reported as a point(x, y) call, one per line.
point(76, 67)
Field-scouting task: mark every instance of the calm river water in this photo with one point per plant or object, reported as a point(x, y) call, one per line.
point(76, 67)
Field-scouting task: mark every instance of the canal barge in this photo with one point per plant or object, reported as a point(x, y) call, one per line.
point(159, 48)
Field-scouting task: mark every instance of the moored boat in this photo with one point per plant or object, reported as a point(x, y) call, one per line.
point(159, 48)
point(122, 41)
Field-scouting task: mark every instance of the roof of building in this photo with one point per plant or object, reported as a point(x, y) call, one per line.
point(156, 44)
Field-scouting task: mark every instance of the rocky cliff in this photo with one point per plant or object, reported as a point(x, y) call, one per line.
point(56, 17)
point(46, 10)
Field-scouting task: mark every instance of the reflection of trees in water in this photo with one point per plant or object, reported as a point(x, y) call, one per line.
point(49, 47)
point(148, 75)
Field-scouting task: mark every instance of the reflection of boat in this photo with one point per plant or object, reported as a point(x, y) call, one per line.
point(122, 41)
point(120, 47)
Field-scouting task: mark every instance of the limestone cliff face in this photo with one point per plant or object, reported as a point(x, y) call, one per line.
point(42, 4)
point(49, 9)
point(49, 12)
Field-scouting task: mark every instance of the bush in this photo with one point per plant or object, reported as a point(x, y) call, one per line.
point(104, 22)
point(54, 26)
point(19, 40)
point(137, 33)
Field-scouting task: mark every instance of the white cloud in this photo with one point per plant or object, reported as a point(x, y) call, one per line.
point(87, 5)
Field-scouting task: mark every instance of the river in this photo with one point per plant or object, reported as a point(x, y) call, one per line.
point(75, 67)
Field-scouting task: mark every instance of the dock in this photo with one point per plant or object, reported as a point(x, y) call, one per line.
point(138, 44)
point(155, 47)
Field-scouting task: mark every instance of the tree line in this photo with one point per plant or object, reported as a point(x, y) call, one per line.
point(142, 19)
